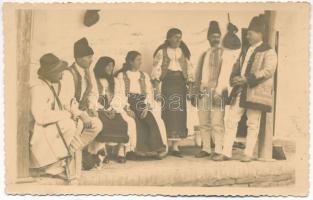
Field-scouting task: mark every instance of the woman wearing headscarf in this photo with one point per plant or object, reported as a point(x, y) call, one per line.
point(136, 86)
point(172, 68)
point(118, 127)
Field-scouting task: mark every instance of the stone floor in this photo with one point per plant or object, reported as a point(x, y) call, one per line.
point(190, 171)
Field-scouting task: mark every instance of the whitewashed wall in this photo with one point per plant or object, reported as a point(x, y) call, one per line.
point(143, 30)
point(118, 32)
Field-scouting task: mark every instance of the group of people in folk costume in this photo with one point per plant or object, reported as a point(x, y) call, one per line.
point(76, 108)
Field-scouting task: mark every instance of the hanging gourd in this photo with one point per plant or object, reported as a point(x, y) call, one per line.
point(231, 40)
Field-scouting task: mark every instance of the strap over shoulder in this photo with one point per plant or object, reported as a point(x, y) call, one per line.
point(55, 94)
point(56, 123)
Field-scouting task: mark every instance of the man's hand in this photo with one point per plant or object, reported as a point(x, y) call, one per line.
point(73, 108)
point(238, 80)
point(86, 120)
point(92, 112)
point(217, 99)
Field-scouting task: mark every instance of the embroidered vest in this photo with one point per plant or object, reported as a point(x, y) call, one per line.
point(256, 95)
point(77, 81)
point(263, 47)
point(82, 100)
point(166, 62)
point(141, 80)
point(202, 61)
point(215, 65)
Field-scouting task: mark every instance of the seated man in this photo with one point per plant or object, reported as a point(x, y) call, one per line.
point(79, 85)
point(56, 134)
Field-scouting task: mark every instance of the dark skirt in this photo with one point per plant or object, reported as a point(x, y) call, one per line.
point(174, 111)
point(149, 140)
point(114, 130)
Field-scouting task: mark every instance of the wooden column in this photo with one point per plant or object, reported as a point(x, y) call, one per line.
point(265, 146)
point(24, 26)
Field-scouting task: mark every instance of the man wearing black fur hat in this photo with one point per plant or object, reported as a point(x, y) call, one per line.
point(79, 91)
point(252, 82)
point(209, 101)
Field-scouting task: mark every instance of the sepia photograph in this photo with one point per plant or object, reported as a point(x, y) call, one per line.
point(157, 99)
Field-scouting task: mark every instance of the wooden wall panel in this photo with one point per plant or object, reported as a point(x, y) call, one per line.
point(24, 26)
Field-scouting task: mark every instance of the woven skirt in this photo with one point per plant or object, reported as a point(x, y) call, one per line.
point(114, 130)
point(149, 140)
point(174, 111)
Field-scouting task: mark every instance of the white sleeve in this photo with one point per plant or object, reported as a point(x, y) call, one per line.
point(228, 60)
point(205, 69)
point(119, 100)
point(157, 62)
point(149, 90)
point(190, 71)
point(94, 94)
point(122, 90)
point(41, 109)
point(269, 65)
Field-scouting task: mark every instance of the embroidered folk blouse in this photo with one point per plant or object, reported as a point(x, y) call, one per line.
point(116, 100)
point(68, 88)
point(174, 54)
point(229, 59)
point(134, 87)
point(211, 67)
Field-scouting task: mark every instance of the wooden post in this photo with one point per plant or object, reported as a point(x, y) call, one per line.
point(265, 146)
point(24, 25)
point(275, 83)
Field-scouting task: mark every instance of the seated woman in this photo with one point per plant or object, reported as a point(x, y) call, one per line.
point(117, 125)
point(151, 134)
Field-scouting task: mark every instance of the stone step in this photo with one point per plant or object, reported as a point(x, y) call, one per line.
point(189, 171)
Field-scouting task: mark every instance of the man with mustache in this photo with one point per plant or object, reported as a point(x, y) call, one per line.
point(252, 84)
point(209, 101)
point(79, 94)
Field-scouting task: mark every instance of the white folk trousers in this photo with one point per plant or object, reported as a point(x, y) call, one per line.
point(233, 114)
point(211, 124)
